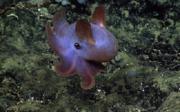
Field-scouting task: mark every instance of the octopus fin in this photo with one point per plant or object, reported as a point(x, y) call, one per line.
point(98, 17)
point(83, 30)
point(59, 22)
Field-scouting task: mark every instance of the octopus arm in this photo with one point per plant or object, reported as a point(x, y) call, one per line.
point(88, 80)
point(66, 67)
point(52, 39)
point(87, 71)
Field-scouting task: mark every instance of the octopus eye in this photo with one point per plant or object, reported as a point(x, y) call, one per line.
point(77, 46)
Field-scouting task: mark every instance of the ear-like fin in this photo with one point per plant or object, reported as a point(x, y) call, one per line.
point(83, 31)
point(98, 17)
point(59, 22)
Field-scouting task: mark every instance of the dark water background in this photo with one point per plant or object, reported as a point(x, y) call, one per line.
point(143, 77)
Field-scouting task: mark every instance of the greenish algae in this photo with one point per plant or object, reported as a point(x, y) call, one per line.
point(172, 103)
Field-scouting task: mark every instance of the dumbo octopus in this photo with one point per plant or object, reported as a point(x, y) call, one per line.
point(82, 46)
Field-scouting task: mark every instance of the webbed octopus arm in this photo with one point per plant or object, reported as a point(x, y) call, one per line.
point(59, 23)
point(57, 31)
point(67, 65)
point(87, 71)
point(52, 40)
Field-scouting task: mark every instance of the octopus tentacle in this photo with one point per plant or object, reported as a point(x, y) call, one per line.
point(88, 81)
point(60, 23)
point(87, 73)
point(66, 67)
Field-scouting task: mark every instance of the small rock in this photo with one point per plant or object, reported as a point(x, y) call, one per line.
point(118, 57)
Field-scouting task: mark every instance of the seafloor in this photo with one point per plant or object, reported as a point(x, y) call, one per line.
point(143, 77)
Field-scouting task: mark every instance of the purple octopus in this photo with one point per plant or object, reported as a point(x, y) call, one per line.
point(82, 46)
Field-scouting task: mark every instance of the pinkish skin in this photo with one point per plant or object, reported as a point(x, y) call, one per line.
point(83, 58)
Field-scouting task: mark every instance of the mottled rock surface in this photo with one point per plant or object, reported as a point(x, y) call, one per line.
point(143, 77)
